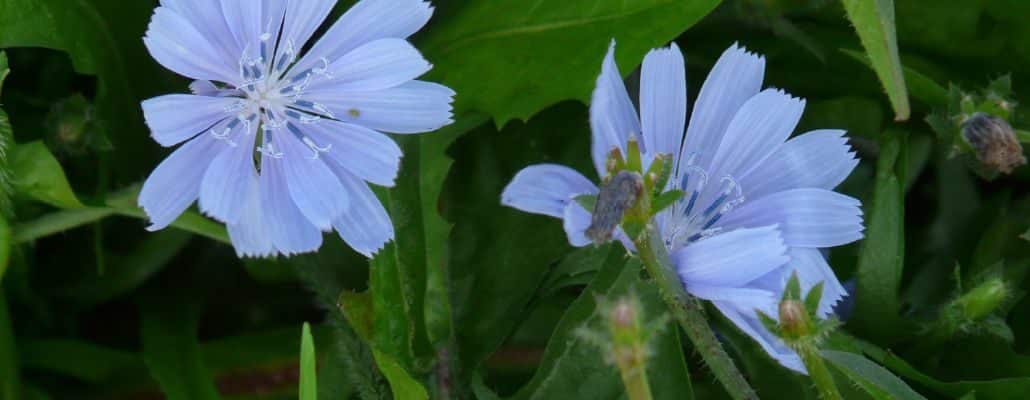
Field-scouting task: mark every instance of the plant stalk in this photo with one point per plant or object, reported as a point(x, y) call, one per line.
point(689, 313)
point(820, 375)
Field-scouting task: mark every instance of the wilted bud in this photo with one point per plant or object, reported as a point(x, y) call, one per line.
point(794, 320)
point(994, 141)
point(618, 195)
point(984, 299)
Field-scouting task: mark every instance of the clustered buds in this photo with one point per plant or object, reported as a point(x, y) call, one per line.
point(629, 195)
point(994, 142)
point(625, 338)
point(977, 125)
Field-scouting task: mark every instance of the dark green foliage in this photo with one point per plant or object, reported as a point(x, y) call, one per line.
point(477, 300)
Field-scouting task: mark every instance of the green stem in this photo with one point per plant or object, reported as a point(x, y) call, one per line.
point(820, 375)
point(689, 313)
point(637, 387)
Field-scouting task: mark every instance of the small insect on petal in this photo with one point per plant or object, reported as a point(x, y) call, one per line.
point(615, 198)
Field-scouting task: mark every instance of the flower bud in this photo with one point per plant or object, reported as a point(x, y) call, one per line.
point(984, 299)
point(794, 320)
point(994, 142)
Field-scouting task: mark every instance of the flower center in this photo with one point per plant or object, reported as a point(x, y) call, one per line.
point(694, 216)
point(273, 97)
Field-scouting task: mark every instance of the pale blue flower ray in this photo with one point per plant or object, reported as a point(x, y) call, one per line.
point(279, 145)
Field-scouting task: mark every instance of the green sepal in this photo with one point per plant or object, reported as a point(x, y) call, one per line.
point(793, 289)
point(812, 299)
point(664, 200)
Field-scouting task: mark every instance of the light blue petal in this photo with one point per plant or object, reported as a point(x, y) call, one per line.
point(226, 183)
point(761, 125)
point(367, 21)
point(731, 259)
point(255, 24)
point(812, 218)
point(314, 188)
point(576, 220)
point(303, 17)
point(177, 117)
point(734, 79)
point(372, 156)
point(365, 226)
point(250, 234)
point(663, 100)
point(546, 189)
point(382, 64)
point(412, 107)
point(175, 183)
point(811, 268)
point(741, 298)
point(177, 45)
point(613, 120)
point(818, 159)
point(204, 88)
point(289, 229)
point(747, 321)
point(207, 17)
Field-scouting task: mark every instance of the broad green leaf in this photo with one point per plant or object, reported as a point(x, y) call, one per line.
point(38, 175)
point(882, 256)
point(9, 376)
point(171, 351)
point(308, 364)
point(6, 178)
point(920, 86)
point(511, 59)
point(874, 379)
point(874, 22)
point(399, 273)
point(4, 69)
point(574, 367)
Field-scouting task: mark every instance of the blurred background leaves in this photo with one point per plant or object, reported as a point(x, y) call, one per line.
point(475, 300)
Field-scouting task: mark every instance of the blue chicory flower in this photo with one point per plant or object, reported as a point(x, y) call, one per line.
point(280, 145)
point(757, 205)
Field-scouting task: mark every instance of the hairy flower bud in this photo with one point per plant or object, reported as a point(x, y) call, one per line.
point(994, 141)
point(794, 320)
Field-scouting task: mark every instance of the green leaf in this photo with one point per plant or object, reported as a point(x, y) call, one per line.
point(84, 361)
point(170, 348)
point(4, 69)
point(499, 255)
point(399, 273)
point(308, 363)
point(38, 175)
point(548, 52)
point(987, 389)
point(9, 376)
point(574, 367)
point(874, 379)
point(920, 86)
point(882, 256)
point(121, 203)
point(402, 384)
point(874, 23)
point(6, 242)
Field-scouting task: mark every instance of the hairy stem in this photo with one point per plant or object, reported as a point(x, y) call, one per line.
point(689, 313)
point(820, 375)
